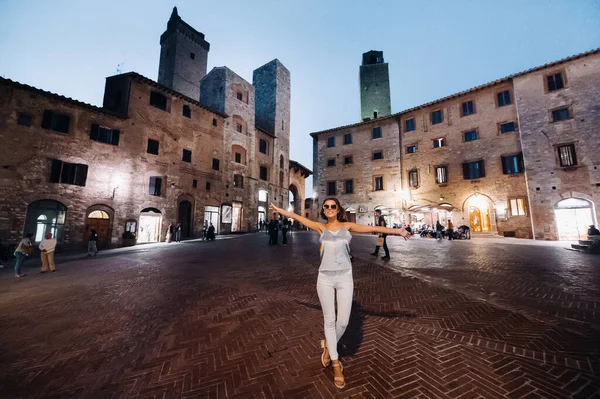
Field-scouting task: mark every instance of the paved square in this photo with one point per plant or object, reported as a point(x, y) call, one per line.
point(485, 318)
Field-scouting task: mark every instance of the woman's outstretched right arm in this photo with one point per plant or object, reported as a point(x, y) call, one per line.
point(316, 226)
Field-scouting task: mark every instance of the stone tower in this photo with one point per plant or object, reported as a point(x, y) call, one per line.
point(183, 57)
point(272, 113)
point(374, 86)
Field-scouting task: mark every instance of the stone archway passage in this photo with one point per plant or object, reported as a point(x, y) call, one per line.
point(45, 216)
point(99, 221)
point(295, 199)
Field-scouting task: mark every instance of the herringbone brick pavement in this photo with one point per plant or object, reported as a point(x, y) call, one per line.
point(239, 319)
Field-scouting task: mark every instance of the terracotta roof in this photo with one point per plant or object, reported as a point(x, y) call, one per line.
point(151, 82)
point(376, 120)
point(462, 93)
point(299, 166)
point(59, 97)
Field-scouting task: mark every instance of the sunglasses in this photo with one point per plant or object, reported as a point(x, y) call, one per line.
point(329, 206)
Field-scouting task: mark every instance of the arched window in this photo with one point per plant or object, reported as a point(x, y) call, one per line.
point(97, 214)
point(45, 216)
point(239, 125)
point(281, 161)
point(239, 154)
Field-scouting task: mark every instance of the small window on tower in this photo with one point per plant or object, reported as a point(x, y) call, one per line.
point(240, 96)
point(193, 56)
point(187, 112)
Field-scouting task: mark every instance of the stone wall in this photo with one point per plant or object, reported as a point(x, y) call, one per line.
point(548, 182)
point(118, 176)
point(363, 168)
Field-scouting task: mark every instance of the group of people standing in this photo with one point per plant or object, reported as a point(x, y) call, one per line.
point(274, 226)
point(174, 232)
point(25, 248)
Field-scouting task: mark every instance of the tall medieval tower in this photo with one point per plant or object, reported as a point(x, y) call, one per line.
point(272, 113)
point(183, 57)
point(374, 86)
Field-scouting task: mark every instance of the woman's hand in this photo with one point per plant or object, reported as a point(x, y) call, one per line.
point(404, 234)
point(273, 208)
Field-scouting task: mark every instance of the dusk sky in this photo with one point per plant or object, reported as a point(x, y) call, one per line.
point(434, 48)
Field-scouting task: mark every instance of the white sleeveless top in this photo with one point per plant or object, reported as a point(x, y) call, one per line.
point(335, 250)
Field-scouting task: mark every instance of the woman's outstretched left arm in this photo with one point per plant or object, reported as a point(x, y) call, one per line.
point(361, 228)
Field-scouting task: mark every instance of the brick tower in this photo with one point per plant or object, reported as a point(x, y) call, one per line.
point(183, 57)
point(374, 86)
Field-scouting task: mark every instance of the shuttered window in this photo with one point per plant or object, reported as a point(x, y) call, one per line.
point(68, 173)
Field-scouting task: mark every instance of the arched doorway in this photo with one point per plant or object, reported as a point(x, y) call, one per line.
point(150, 224)
point(573, 217)
point(479, 208)
point(262, 214)
point(46, 216)
point(263, 204)
point(100, 221)
point(475, 218)
point(185, 218)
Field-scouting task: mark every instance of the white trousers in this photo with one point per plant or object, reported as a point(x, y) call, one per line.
point(332, 284)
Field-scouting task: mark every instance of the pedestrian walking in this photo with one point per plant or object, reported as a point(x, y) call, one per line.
point(260, 225)
point(273, 232)
point(210, 233)
point(24, 249)
point(204, 230)
point(450, 230)
point(178, 232)
point(284, 230)
point(169, 233)
point(93, 243)
point(47, 247)
point(382, 240)
point(335, 274)
point(438, 230)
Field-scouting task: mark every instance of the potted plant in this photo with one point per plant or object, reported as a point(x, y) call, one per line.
point(129, 238)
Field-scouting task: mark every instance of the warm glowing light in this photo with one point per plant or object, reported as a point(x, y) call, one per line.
point(117, 179)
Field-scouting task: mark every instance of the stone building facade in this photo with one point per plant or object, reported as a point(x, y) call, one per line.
point(360, 164)
point(515, 157)
point(559, 123)
point(149, 157)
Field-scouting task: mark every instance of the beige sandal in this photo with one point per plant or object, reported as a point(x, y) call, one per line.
point(339, 382)
point(324, 354)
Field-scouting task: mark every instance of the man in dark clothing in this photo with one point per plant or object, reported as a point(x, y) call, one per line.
point(381, 222)
point(284, 230)
point(178, 232)
point(593, 231)
point(273, 232)
point(438, 230)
